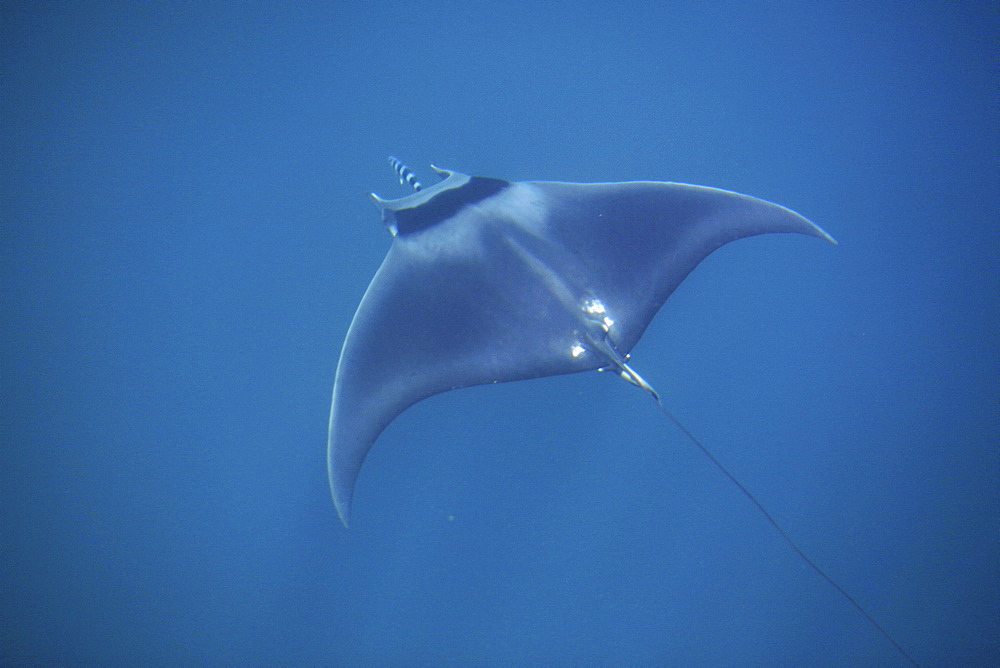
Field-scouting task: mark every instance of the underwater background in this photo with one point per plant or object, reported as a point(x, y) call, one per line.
point(186, 233)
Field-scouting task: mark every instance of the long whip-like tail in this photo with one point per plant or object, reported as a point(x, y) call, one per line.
point(634, 378)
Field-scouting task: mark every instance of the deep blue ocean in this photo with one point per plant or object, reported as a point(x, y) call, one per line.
point(186, 233)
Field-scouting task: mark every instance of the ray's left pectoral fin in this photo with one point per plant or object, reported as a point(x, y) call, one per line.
point(450, 307)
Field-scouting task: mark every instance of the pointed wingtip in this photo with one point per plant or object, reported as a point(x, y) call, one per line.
point(340, 491)
point(812, 228)
point(806, 226)
point(343, 507)
point(823, 234)
point(341, 497)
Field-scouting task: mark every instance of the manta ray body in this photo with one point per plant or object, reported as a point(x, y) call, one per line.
point(490, 281)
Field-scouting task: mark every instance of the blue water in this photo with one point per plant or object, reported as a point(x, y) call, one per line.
point(186, 233)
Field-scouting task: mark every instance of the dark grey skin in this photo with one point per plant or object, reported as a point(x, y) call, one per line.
point(489, 281)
